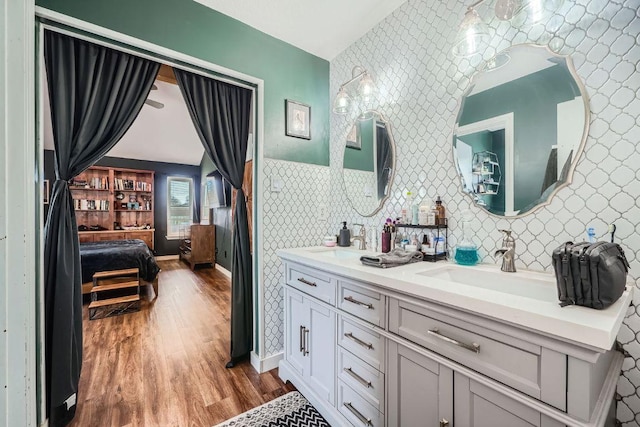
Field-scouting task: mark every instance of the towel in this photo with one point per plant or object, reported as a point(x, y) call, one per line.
point(396, 257)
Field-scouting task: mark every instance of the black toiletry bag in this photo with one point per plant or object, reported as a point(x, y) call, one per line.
point(590, 274)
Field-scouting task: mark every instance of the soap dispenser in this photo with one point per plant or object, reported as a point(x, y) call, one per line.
point(466, 250)
point(344, 239)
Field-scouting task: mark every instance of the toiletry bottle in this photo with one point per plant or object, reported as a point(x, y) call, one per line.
point(440, 209)
point(344, 239)
point(591, 235)
point(406, 210)
point(423, 215)
point(432, 217)
point(386, 240)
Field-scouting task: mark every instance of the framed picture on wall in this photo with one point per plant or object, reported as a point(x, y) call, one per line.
point(45, 191)
point(297, 119)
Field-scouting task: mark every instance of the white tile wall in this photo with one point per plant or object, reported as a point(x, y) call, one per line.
point(420, 87)
point(362, 186)
point(294, 217)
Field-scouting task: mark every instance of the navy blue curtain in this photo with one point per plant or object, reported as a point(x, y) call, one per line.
point(221, 114)
point(95, 95)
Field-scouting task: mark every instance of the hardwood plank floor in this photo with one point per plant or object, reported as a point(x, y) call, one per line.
point(164, 365)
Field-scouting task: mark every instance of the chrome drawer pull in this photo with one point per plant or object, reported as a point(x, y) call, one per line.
point(306, 282)
point(358, 340)
point(306, 341)
point(301, 339)
point(444, 423)
point(355, 301)
point(366, 421)
point(358, 378)
point(475, 347)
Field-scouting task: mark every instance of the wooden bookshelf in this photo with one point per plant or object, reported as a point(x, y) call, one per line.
point(106, 198)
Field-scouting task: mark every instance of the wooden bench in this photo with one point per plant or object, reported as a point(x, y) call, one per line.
point(114, 292)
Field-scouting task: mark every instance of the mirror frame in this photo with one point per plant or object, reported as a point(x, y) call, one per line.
point(579, 152)
point(382, 201)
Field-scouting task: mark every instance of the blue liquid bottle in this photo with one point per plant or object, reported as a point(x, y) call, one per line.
point(466, 250)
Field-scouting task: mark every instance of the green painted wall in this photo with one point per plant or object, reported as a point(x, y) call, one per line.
point(221, 219)
point(193, 29)
point(361, 159)
point(533, 100)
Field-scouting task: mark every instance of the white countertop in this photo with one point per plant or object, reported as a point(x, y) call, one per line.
point(540, 312)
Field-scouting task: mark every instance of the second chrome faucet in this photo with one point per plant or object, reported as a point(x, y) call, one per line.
point(508, 252)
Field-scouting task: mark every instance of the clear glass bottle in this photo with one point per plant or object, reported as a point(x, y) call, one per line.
point(466, 249)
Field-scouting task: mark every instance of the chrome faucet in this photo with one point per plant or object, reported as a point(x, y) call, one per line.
point(361, 238)
point(508, 252)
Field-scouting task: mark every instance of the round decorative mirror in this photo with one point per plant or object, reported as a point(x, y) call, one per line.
point(520, 130)
point(369, 163)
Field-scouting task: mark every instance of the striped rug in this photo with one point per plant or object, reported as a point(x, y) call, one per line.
point(290, 410)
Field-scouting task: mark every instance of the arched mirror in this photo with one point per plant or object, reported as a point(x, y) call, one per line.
point(368, 163)
point(520, 130)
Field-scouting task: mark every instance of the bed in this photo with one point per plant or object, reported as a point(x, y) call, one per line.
point(118, 255)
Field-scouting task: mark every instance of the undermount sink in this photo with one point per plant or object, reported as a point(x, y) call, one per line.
point(510, 283)
point(338, 253)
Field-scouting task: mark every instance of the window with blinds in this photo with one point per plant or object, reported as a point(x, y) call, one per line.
point(179, 204)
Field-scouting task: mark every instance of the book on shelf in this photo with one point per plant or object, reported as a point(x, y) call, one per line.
point(95, 183)
point(131, 185)
point(87, 204)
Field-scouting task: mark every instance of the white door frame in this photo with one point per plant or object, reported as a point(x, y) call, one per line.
point(19, 200)
point(198, 66)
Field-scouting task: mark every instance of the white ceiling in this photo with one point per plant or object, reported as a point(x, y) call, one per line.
point(159, 135)
point(321, 27)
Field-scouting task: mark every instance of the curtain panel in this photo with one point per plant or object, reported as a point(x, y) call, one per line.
point(95, 94)
point(221, 114)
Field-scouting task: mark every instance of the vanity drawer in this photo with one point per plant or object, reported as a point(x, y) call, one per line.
point(357, 410)
point(512, 361)
point(363, 303)
point(311, 282)
point(362, 342)
point(365, 380)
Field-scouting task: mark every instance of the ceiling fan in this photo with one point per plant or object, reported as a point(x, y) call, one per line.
point(152, 103)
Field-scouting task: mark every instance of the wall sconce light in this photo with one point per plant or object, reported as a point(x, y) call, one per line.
point(365, 92)
point(473, 33)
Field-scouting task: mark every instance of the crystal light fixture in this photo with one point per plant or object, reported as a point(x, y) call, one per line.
point(472, 36)
point(364, 93)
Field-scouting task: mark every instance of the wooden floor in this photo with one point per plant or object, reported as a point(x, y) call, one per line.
point(164, 365)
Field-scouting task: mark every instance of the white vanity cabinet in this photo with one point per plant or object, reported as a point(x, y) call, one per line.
point(310, 330)
point(369, 348)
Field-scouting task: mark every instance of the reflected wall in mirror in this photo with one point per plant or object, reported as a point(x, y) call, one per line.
point(368, 163)
point(520, 130)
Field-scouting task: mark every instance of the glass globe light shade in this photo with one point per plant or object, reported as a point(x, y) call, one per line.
point(366, 88)
point(342, 102)
point(472, 36)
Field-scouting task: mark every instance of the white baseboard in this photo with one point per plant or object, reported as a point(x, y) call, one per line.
point(267, 364)
point(224, 271)
point(167, 257)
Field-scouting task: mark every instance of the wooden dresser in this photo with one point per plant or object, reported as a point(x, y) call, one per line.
point(198, 246)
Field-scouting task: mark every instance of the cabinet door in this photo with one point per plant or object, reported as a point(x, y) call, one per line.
point(479, 406)
point(319, 343)
point(296, 322)
point(420, 391)
point(85, 237)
